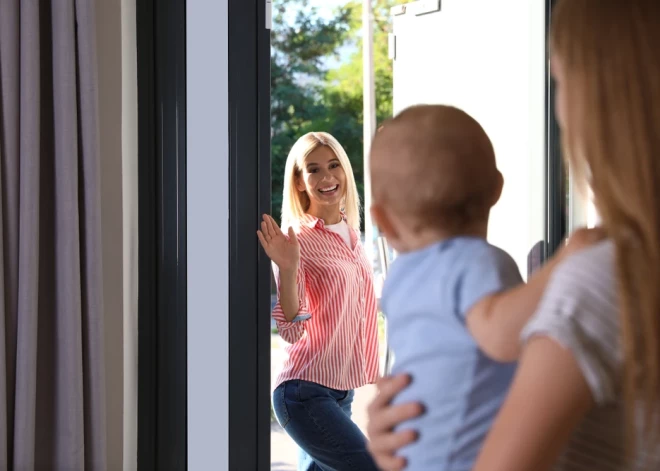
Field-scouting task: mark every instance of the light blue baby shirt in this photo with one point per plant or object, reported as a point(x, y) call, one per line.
point(426, 298)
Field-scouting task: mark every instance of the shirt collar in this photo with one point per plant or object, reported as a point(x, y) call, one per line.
point(312, 221)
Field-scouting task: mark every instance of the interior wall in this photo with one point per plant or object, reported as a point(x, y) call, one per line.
point(117, 84)
point(129, 137)
point(108, 30)
point(208, 234)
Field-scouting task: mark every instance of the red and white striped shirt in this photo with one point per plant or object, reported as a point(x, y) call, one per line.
point(337, 346)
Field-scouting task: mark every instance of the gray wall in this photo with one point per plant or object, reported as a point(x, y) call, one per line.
point(115, 23)
point(208, 234)
point(129, 142)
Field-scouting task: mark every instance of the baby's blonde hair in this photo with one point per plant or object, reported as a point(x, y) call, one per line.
point(434, 166)
point(296, 203)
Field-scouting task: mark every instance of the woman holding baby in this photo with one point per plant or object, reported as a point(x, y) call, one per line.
point(326, 308)
point(586, 392)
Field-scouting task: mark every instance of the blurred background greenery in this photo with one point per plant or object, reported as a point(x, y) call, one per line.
point(316, 77)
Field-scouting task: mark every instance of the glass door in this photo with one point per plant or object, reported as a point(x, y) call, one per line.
point(488, 58)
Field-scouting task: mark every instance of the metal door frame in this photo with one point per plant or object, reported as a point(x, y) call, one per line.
point(162, 395)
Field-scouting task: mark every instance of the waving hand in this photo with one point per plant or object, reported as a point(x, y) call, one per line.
point(282, 250)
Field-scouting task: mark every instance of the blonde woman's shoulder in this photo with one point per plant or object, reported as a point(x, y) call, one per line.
point(592, 267)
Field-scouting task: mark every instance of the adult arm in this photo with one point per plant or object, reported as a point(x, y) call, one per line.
point(291, 311)
point(570, 363)
point(291, 288)
point(548, 399)
point(291, 292)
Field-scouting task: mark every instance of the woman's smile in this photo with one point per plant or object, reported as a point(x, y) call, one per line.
point(329, 190)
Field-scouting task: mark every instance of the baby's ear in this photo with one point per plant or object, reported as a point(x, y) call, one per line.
point(382, 220)
point(497, 193)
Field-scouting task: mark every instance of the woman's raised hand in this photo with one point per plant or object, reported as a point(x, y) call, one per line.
point(282, 250)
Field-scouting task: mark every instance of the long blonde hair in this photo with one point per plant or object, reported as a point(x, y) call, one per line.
point(610, 53)
point(296, 203)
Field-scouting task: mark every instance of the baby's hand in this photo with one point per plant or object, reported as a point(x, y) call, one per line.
point(581, 239)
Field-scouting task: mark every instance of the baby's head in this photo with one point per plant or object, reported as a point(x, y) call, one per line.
point(433, 176)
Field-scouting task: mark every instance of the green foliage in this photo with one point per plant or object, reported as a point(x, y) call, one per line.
point(298, 50)
point(306, 96)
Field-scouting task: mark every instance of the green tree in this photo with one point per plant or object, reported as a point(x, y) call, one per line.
point(308, 97)
point(301, 41)
point(347, 79)
point(343, 93)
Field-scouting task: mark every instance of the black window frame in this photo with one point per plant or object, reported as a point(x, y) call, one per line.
point(556, 208)
point(162, 370)
point(249, 268)
point(162, 262)
point(162, 310)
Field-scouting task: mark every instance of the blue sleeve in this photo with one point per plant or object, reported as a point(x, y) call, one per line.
point(492, 271)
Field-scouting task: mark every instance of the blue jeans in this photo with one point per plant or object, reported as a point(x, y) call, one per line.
point(318, 419)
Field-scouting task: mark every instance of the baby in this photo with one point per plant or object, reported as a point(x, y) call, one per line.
point(455, 304)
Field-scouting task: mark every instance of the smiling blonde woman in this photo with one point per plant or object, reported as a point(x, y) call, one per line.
point(326, 306)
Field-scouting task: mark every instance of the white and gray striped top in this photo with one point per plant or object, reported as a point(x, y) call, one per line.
point(579, 310)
